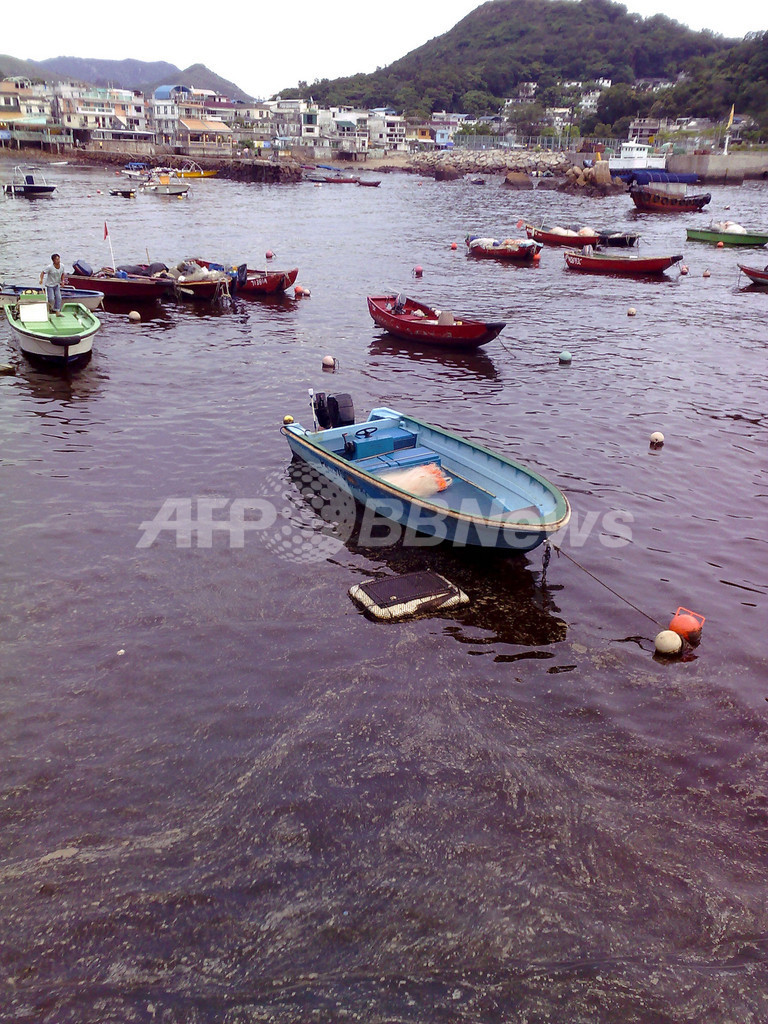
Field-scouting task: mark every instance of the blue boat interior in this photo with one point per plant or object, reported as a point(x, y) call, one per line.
point(491, 487)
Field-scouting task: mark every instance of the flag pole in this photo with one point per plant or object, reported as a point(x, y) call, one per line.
point(111, 253)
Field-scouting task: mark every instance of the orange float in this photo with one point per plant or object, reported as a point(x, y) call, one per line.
point(687, 624)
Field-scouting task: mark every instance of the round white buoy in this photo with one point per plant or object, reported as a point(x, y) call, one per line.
point(657, 439)
point(683, 269)
point(134, 316)
point(565, 357)
point(329, 363)
point(668, 642)
point(631, 311)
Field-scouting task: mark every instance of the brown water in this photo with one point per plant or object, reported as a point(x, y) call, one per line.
point(227, 796)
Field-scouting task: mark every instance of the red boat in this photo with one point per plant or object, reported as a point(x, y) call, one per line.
point(755, 275)
point(655, 200)
point(600, 263)
point(266, 282)
point(117, 284)
point(245, 281)
point(414, 321)
point(574, 237)
point(518, 250)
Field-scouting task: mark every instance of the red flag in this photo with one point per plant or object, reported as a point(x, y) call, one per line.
point(106, 232)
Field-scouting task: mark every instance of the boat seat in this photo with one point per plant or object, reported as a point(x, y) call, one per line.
point(33, 312)
point(403, 459)
point(445, 318)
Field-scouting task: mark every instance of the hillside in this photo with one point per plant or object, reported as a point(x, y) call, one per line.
point(504, 42)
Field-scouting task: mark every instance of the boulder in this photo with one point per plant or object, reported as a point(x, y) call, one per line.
point(447, 173)
point(518, 180)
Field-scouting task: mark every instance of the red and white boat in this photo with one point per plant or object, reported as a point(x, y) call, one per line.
point(266, 282)
point(755, 275)
point(415, 321)
point(562, 236)
point(600, 263)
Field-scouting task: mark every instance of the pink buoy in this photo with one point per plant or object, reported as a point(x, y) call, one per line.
point(269, 254)
point(454, 246)
point(418, 271)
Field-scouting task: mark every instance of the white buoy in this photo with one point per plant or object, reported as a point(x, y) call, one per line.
point(668, 642)
point(329, 363)
point(565, 357)
point(134, 316)
point(706, 274)
point(657, 439)
point(683, 268)
point(631, 311)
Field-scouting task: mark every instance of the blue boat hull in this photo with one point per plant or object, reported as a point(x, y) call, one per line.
point(467, 514)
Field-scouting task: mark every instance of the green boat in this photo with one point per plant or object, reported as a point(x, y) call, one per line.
point(61, 339)
point(735, 236)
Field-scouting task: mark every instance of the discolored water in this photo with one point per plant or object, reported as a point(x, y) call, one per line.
point(226, 795)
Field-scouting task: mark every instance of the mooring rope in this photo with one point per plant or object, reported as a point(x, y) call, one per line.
point(597, 580)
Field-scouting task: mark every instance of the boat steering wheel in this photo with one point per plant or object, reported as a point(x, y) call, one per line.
point(366, 431)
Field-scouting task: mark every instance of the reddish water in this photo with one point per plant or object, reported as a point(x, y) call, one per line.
point(227, 795)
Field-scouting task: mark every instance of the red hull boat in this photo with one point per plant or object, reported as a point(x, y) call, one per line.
point(598, 263)
point(755, 275)
point(516, 250)
point(415, 321)
point(119, 285)
point(652, 200)
point(549, 237)
point(245, 281)
point(267, 282)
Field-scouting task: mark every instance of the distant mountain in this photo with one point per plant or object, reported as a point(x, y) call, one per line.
point(501, 43)
point(122, 74)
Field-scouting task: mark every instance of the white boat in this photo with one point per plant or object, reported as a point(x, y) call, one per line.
point(167, 183)
point(59, 340)
point(28, 182)
point(635, 156)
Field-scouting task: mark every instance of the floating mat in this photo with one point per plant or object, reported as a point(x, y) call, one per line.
point(400, 597)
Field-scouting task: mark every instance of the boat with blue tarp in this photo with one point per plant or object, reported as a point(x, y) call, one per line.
point(428, 479)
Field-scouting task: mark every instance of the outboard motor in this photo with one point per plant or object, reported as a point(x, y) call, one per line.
point(242, 274)
point(341, 410)
point(322, 415)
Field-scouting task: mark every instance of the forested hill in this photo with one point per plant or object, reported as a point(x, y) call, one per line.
point(503, 42)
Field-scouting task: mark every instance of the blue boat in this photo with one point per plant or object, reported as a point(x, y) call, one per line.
point(428, 479)
point(87, 297)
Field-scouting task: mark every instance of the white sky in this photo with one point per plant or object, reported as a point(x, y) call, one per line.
point(265, 47)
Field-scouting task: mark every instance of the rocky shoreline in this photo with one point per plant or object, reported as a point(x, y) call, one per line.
point(522, 169)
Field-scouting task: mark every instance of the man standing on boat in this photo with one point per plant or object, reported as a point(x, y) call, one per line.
point(54, 278)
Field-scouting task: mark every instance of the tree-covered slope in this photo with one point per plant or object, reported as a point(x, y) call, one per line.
point(504, 42)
